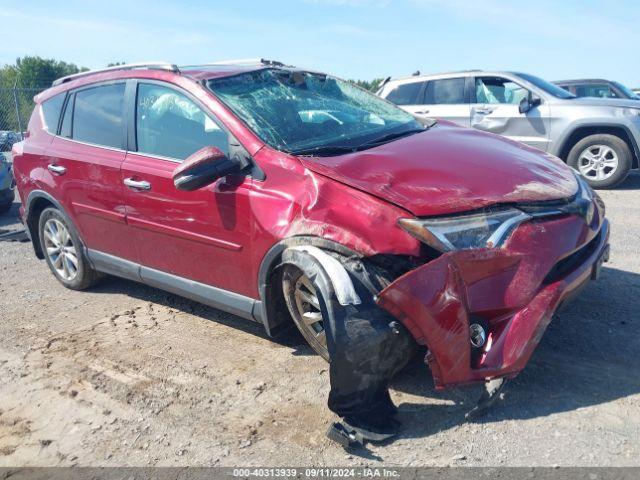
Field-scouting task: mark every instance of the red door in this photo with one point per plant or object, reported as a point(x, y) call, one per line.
point(86, 161)
point(202, 235)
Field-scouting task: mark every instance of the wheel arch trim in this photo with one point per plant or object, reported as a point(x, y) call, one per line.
point(342, 284)
point(32, 228)
point(565, 145)
point(265, 309)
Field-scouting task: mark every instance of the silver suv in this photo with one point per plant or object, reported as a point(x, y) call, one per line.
point(597, 136)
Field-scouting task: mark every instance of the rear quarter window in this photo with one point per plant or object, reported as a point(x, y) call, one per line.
point(51, 110)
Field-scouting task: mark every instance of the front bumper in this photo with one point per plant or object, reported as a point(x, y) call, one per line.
point(514, 290)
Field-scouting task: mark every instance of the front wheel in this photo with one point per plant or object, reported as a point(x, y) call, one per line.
point(603, 160)
point(303, 301)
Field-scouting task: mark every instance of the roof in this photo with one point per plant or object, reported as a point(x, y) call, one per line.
point(209, 70)
point(159, 71)
point(206, 72)
point(582, 80)
point(425, 75)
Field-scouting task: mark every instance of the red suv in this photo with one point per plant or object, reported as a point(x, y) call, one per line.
point(280, 195)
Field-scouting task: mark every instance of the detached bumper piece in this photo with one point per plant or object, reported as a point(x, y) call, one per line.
point(367, 347)
point(492, 390)
point(513, 290)
point(14, 236)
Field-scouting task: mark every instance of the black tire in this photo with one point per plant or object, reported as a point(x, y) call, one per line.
point(290, 277)
point(621, 150)
point(85, 276)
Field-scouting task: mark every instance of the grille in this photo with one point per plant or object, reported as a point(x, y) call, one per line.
point(568, 264)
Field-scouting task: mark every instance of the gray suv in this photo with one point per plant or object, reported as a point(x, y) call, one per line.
point(599, 137)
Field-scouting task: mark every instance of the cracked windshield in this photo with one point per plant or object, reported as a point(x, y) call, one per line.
point(307, 113)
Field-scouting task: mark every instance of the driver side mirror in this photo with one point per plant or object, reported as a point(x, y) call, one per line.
point(203, 168)
point(529, 102)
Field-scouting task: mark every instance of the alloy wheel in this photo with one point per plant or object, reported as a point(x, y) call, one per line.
point(308, 310)
point(60, 249)
point(598, 162)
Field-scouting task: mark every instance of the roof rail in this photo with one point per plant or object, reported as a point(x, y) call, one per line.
point(129, 66)
point(243, 61)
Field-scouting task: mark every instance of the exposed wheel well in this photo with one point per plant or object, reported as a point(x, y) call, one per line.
point(36, 207)
point(583, 132)
point(275, 314)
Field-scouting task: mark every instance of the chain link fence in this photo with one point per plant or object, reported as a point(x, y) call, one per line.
point(16, 105)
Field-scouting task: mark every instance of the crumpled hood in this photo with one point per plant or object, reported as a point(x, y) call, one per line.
point(450, 169)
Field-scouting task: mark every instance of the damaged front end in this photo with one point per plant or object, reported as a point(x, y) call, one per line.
point(482, 311)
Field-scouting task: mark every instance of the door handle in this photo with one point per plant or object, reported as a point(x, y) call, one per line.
point(483, 110)
point(137, 184)
point(57, 169)
point(422, 112)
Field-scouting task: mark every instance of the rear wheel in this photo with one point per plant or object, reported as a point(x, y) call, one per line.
point(603, 160)
point(303, 301)
point(63, 251)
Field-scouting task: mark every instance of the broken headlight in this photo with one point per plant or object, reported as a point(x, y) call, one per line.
point(476, 230)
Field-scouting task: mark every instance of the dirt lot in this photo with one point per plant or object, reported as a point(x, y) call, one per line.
point(129, 375)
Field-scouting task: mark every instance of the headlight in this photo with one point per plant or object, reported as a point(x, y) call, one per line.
point(477, 230)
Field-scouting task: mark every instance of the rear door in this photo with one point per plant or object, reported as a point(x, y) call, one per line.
point(85, 160)
point(408, 96)
point(598, 90)
point(203, 235)
point(495, 109)
point(446, 98)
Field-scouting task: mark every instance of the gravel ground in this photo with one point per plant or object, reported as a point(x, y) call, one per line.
point(129, 375)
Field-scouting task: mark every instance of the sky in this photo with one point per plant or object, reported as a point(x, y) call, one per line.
point(360, 39)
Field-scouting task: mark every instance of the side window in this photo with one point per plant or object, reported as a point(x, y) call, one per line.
point(97, 115)
point(51, 110)
point(499, 90)
point(169, 124)
point(405, 94)
point(596, 90)
point(568, 88)
point(445, 91)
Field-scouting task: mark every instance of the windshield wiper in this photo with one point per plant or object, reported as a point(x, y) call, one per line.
point(340, 149)
point(389, 137)
point(325, 150)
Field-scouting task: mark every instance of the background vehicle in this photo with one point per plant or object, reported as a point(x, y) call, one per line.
point(7, 139)
point(594, 87)
point(598, 137)
point(7, 184)
point(7, 193)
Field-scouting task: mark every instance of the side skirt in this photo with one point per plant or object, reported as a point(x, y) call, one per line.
point(208, 295)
